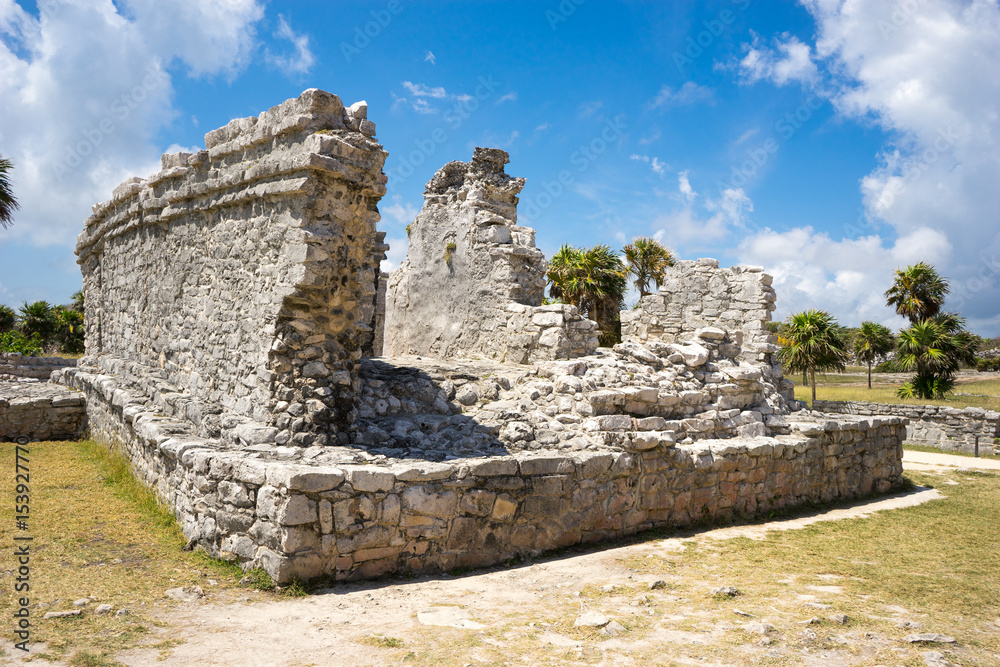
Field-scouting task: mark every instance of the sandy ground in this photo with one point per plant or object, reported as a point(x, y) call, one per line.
point(327, 628)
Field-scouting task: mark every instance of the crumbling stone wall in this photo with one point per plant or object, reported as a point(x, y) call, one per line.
point(697, 294)
point(950, 429)
point(245, 274)
point(309, 516)
point(14, 365)
point(472, 275)
point(40, 411)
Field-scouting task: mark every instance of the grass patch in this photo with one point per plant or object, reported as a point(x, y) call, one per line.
point(99, 533)
point(984, 449)
point(382, 642)
point(968, 393)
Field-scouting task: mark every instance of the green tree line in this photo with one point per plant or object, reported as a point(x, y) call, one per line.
point(38, 328)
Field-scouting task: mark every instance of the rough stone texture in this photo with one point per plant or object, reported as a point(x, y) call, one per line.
point(244, 275)
point(302, 513)
point(697, 294)
point(947, 428)
point(41, 411)
point(231, 298)
point(14, 365)
point(473, 280)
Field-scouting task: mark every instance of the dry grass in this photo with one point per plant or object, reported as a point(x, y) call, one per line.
point(99, 533)
point(933, 565)
point(834, 387)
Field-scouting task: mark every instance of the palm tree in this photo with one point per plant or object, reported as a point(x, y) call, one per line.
point(594, 280)
point(8, 318)
point(38, 318)
point(917, 292)
point(812, 339)
point(871, 343)
point(934, 349)
point(8, 204)
point(647, 260)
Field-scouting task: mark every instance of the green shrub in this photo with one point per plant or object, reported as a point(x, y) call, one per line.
point(15, 341)
point(988, 365)
point(889, 366)
point(8, 318)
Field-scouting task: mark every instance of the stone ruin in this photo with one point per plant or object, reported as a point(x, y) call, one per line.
point(232, 309)
point(472, 282)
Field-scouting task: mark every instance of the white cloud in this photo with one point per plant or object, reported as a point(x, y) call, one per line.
point(689, 93)
point(543, 127)
point(684, 186)
point(792, 61)
point(691, 226)
point(429, 58)
point(398, 212)
point(301, 61)
point(420, 90)
point(86, 89)
point(509, 97)
point(925, 73)
point(654, 162)
point(588, 109)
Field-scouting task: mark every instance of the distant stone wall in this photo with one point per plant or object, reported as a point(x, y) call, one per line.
point(40, 411)
point(13, 365)
point(305, 519)
point(696, 294)
point(244, 275)
point(947, 428)
point(467, 263)
point(554, 331)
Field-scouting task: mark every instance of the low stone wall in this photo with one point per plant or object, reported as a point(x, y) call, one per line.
point(298, 516)
point(555, 331)
point(40, 411)
point(947, 428)
point(13, 365)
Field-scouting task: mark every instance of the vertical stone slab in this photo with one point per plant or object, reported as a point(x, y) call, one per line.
point(245, 274)
point(467, 261)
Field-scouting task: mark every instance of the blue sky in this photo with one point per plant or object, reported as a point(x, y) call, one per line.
point(830, 142)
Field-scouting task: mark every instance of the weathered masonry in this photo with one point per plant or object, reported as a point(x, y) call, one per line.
point(472, 282)
point(242, 274)
point(231, 303)
point(949, 429)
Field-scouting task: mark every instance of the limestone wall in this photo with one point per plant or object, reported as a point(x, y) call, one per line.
point(14, 365)
point(244, 275)
point(307, 519)
point(467, 263)
point(40, 411)
point(949, 429)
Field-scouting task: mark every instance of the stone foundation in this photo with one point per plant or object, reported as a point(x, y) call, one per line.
point(13, 365)
point(41, 411)
point(302, 518)
point(949, 429)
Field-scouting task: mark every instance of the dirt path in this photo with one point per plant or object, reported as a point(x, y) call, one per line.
point(360, 624)
point(926, 461)
point(332, 628)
